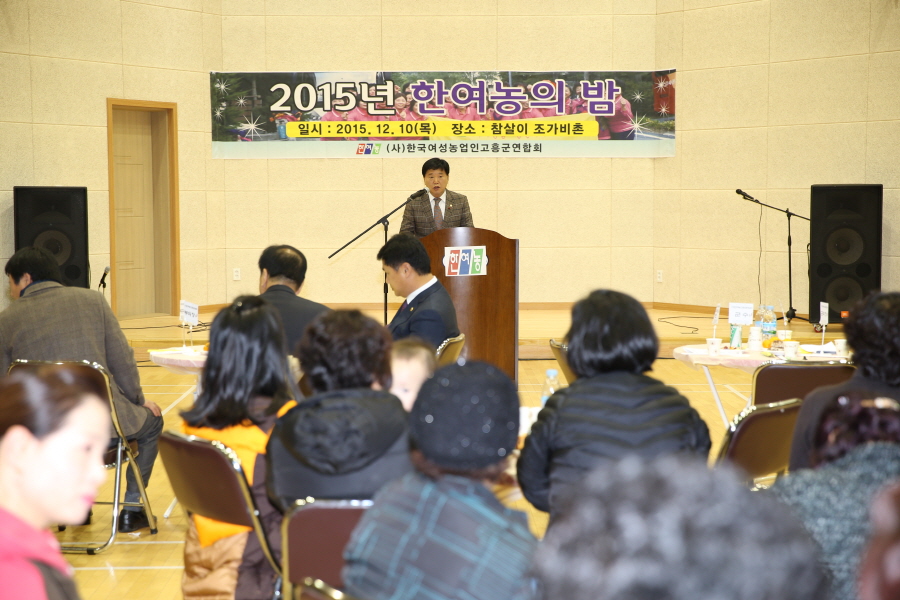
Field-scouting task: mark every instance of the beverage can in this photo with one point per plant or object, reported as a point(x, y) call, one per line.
point(736, 333)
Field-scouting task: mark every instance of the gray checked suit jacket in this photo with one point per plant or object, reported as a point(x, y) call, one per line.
point(418, 216)
point(52, 322)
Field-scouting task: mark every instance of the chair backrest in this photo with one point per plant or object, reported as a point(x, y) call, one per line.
point(313, 536)
point(34, 365)
point(759, 439)
point(305, 387)
point(450, 349)
point(775, 382)
point(208, 480)
point(559, 353)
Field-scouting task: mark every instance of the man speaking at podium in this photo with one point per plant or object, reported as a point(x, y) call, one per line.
point(435, 207)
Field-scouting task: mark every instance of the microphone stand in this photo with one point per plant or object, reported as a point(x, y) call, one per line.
point(791, 313)
point(384, 222)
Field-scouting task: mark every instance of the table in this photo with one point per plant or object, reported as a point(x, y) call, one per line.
point(697, 356)
point(184, 361)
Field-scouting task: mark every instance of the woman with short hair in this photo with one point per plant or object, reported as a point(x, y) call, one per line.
point(856, 451)
point(54, 430)
point(873, 333)
point(350, 437)
point(612, 409)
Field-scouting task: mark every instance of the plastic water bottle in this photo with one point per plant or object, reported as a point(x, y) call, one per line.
point(769, 324)
point(759, 317)
point(551, 384)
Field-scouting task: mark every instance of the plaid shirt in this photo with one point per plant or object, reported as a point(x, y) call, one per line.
point(447, 539)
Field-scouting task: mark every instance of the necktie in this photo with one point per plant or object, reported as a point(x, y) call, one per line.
point(438, 215)
point(399, 311)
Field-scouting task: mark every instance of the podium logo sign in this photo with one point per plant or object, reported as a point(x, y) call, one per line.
point(462, 261)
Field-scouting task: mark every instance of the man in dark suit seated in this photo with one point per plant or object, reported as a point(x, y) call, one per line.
point(282, 270)
point(427, 311)
point(435, 207)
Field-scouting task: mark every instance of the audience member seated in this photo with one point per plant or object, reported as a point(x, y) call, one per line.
point(427, 311)
point(350, 437)
point(879, 571)
point(282, 271)
point(54, 430)
point(672, 529)
point(856, 452)
point(245, 385)
point(52, 322)
point(873, 333)
point(412, 362)
point(612, 409)
point(439, 533)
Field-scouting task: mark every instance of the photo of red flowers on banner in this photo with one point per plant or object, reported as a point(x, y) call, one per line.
point(409, 114)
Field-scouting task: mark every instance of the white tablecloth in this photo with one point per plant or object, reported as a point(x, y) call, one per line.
point(696, 356)
point(180, 360)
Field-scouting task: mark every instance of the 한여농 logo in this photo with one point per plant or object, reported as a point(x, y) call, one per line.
point(462, 261)
point(368, 148)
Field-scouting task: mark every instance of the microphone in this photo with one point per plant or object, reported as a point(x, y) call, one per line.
point(103, 279)
point(745, 195)
point(418, 194)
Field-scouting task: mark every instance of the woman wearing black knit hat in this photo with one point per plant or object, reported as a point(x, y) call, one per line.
point(440, 532)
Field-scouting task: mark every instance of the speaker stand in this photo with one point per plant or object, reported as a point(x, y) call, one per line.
point(791, 313)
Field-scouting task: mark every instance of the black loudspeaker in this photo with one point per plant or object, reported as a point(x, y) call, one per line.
point(55, 218)
point(845, 246)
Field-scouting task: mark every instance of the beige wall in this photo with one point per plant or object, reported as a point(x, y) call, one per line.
point(773, 96)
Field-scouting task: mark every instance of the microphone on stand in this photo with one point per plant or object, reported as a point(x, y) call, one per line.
point(418, 194)
point(102, 283)
point(745, 195)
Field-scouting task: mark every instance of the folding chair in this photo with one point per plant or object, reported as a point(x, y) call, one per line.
point(779, 381)
point(208, 480)
point(450, 349)
point(759, 439)
point(330, 523)
point(119, 454)
point(559, 353)
point(316, 589)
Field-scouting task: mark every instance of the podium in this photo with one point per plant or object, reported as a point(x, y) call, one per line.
point(480, 269)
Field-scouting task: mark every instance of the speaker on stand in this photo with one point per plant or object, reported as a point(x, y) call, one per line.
point(55, 218)
point(845, 246)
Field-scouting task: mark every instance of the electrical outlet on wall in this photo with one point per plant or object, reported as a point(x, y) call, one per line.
point(237, 275)
point(659, 278)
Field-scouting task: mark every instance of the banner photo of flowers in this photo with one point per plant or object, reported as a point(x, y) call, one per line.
point(422, 114)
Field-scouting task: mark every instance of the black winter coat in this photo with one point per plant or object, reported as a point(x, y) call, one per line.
point(604, 417)
point(343, 444)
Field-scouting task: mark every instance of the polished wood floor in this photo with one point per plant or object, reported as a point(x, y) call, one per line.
point(147, 566)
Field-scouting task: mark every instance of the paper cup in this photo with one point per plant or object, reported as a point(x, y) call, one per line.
point(755, 334)
point(791, 349)
point(713, 345)
point(784, 334)
point(840, 345)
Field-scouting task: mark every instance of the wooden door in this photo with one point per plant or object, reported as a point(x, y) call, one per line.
point(133, 156)
point(143, 208)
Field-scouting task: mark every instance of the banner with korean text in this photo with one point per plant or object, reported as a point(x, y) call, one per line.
point(422, 114)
